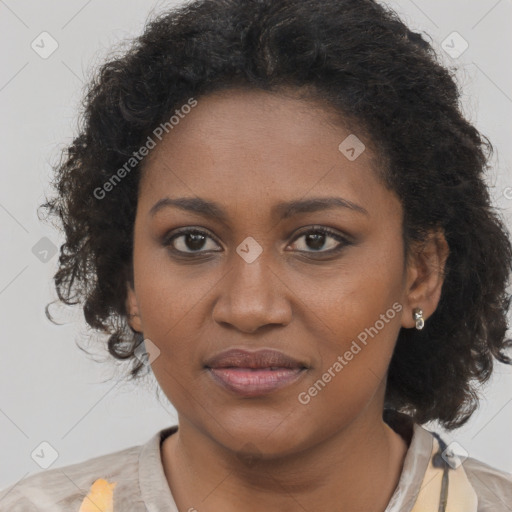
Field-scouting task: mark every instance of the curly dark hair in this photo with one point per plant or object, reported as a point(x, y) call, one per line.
point(362, 61)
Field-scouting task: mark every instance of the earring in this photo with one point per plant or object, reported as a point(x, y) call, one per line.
point(417, 314)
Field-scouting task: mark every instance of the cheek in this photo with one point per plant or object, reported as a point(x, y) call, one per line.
point(353, 367)
point(162, 302)
point(360, 309)
point(166, 293)
point(176, 316)
point(364, 286)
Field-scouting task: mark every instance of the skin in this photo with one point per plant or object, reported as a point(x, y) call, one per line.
point(247, 151)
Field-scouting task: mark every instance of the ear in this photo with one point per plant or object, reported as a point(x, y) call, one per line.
point(132, 308)
point(425, 276)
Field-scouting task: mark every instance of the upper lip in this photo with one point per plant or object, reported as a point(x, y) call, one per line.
point(264, 358)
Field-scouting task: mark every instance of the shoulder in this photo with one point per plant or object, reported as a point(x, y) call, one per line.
point(64, 488)
point(492, 486)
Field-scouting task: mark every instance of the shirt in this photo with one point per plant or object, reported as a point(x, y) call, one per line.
point(133, 480)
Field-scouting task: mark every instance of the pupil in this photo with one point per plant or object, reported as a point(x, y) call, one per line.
point(318, 240)
point(197, 241)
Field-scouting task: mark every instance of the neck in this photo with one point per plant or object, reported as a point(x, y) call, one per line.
point(356, 469)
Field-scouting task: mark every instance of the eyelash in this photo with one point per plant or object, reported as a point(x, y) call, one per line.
point(168, 240)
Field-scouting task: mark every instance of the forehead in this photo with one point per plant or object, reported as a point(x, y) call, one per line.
point(253, 146)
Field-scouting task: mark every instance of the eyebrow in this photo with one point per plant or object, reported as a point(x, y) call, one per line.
point(283, 210)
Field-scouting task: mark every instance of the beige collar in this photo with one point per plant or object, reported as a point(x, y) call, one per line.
point(458, 494)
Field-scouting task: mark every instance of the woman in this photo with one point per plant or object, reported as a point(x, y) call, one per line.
point(282, 203)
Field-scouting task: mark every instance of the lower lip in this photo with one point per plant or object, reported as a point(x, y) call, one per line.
point(247, 382)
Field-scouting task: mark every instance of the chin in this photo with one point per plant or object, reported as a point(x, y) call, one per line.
point(264, 439)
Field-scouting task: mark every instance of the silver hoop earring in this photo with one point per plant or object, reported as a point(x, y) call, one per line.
point(417, 314)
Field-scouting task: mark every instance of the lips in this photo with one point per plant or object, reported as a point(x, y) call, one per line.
point(236, 358)
point(251, 374)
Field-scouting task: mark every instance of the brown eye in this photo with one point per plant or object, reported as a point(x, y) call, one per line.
point(191, 241)
point(320, 240)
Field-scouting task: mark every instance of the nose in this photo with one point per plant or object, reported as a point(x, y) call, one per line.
point(252, 295)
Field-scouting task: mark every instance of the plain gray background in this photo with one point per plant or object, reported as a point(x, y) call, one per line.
point(50, 391)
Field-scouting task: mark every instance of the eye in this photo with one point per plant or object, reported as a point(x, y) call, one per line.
point(190, 241)
point(317, 238)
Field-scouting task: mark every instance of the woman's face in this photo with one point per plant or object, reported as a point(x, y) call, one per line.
point(261, 275)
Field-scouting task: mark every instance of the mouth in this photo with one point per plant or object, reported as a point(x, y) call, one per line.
point(251, 374)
